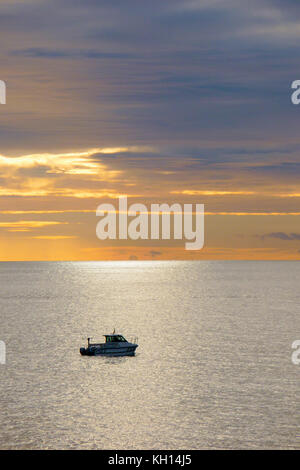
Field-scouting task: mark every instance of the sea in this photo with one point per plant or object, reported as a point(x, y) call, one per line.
point(213, 369)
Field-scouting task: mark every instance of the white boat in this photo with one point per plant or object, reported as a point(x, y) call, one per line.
point(115, 345)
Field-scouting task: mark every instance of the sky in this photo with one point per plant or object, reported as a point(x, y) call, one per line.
point(184, 101)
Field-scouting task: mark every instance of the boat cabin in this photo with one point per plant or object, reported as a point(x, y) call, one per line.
point(113, 338)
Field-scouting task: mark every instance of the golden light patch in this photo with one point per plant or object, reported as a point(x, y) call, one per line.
point(289, 195)
point(54, 237)
point(26, 225)
point(189, 192)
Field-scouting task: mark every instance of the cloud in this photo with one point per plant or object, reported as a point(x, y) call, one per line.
point(37, 52)
point(155, 253)
point(54, 237)
point(214, 80)
point(27, 225)
point(190, 192)
point(46, 174)
point(282, 236)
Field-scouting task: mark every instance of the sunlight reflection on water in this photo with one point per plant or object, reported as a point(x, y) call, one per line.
point(212, 370)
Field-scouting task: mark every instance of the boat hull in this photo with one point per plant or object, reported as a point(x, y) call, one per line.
point(128, 350)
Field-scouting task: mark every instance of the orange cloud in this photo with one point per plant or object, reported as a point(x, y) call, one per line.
point(26, 225)
point(54, 237)
point(190, 192)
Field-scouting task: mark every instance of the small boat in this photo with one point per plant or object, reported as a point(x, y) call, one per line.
point(115, 345)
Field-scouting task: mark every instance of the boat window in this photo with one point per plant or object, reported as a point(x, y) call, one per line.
point(115, 339)
point(121, 338)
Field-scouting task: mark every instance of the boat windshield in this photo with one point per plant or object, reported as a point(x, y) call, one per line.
point(115, 339)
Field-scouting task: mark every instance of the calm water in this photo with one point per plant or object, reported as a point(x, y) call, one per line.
point(213, 369)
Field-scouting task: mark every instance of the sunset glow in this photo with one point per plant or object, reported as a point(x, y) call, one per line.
point(99, 115)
